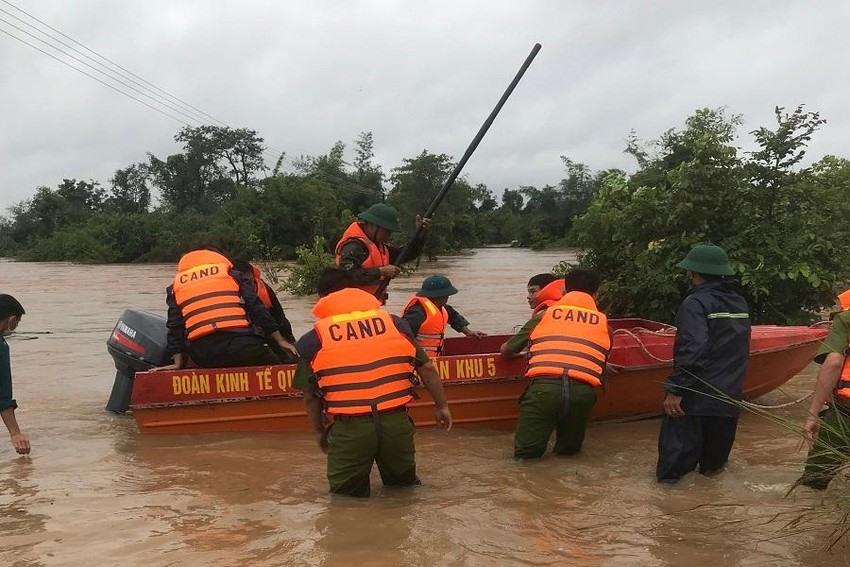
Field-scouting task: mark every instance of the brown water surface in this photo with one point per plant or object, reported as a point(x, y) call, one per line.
point(95, 492)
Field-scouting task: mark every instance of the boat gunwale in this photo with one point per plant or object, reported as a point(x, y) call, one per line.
point(446, 383)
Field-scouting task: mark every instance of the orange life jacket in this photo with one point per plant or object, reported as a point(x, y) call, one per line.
point(260, 287)
point(433, 329)
point(378, 255)
point(571, 340)
point(207, 294)
point(365, 364)
point(552, 292)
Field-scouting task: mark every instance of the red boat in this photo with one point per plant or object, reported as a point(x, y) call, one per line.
point(482, 387)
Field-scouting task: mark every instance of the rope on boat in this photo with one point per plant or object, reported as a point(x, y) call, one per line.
point(633, 334)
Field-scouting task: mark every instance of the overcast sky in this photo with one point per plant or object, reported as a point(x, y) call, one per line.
point(419, 75)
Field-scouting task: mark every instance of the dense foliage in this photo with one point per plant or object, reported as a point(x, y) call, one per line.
point(217, 191)
point(784, 226)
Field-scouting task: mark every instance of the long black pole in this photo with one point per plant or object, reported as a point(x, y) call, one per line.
point(402, 257)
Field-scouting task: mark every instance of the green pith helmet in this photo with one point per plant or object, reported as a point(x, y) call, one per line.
point(382, 215)
point(436, 286)
point(707, 259)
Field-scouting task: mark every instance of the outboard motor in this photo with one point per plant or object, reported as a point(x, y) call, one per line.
point(137, 343)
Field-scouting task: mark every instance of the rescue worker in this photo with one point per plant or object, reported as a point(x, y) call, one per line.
point(357, 368)
point(543, 291)
point(568, 352)
point(11, 312)
point(826, 428)
point(710, 355)
point(270, 301)
point(428, 312)
point(363, 248)
point(213, 310)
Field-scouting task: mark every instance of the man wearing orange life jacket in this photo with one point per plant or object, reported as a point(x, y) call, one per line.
point(364, 251)
point(543, 291)
point(270, 301)
point(357, 369)
point(213, 310)
point(569, 343)
point(826, 429)
point(428, 312)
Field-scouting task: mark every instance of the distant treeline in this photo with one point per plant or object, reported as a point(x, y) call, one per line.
point(217, 191)
point(784, 224)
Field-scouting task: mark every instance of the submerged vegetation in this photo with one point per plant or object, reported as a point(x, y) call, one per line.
point(781, 222)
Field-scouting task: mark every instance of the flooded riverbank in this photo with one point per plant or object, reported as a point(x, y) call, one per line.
point(95, 491)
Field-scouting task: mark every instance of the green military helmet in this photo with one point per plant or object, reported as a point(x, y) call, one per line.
point(707, 259)
point(436, 286)
point(382, 215)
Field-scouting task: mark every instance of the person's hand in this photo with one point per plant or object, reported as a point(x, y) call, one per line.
point(423, 224)
point(478, 334)
point(389, 272)
point(444, 417)
point(288, 347)
point(811, 428)
point(21, 443)
point(673, 405)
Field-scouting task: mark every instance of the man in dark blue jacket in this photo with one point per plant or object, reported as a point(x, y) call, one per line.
point(710, 354)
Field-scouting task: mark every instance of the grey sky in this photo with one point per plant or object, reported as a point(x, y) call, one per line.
point(419, 75)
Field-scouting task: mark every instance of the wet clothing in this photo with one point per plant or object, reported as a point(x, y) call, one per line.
point(542, 410)
point(711, 349)
point(214, 350)
point(356, 442)
point(553, 402)
point(415, 316)
point(6, 399)
point(824, 458)
point(693, 440)
point(827, 455)
point(353, 253)
point(353, 446)
point(710, 353)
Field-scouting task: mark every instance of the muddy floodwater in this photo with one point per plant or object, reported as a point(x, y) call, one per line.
point(95, 492)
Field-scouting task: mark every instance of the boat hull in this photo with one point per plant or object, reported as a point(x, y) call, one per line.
point(483, 389)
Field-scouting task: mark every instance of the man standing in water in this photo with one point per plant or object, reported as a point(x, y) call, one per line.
point(828, 430)
point(569, 343)
point(363, 250)
point(11, 312)
point(710, 357)
point(357, 365)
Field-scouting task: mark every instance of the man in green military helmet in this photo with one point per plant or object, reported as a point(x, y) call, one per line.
point(364, 250)
point(710, 356)
point(428, 312)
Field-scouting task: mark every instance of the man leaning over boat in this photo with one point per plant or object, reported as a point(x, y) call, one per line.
point(569, 343)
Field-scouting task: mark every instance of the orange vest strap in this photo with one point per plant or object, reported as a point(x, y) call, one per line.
point(209, 295)
point(192, 313)
point(363, 367)
point(565, 338)
point(214, 321)
point(371, 403)
point(567, 352)
point(367, 385)
point(566, 366)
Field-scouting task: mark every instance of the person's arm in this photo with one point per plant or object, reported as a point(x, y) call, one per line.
point(279, 315)
point(258, 313)
point(20, 441)
point(830, 356)
point(512, 348)
point(305, 380)
point(431, 380)
point(690, 347)
point(351, 257)
point(459, 323)
point(414, 317)
point(176, 339)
